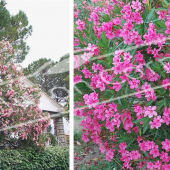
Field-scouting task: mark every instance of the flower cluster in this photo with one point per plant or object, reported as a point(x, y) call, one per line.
point(124, 80)
point(19, 107)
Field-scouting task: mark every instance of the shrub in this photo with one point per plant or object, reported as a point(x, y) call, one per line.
point(122, 70)
point(19, 107)
point(52, 158)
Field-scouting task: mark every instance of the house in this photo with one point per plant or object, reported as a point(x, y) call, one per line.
point(58, 123)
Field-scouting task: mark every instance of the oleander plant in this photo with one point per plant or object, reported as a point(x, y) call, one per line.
point(20, 116)
point(122, 79)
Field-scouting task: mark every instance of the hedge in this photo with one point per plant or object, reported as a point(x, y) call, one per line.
point(52, 158)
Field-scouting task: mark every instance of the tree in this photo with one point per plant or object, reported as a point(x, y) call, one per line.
point(19, 111)
point(52, 76)
point(15, 29)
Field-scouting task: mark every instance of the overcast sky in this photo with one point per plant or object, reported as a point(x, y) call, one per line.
point(50, 22)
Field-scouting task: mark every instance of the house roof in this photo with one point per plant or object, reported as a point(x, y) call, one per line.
point(46, 102)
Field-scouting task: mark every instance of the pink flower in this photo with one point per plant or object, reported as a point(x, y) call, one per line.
point(117, 86)
point(166, 83)
point(86, 72)
point(118, 69)
point(166, 145)
point(151, 75)
point(109, 155)
point(165, 157)
point(150, 165)
point(86, 57)
point(77, 79)
point(85, 138)
point(162, 14)
point(102, 149)
point(150, 111)
point(81, 25)
point(134, 84)
point(136, 129)
point(97, 67)
point(93, 49)
point(76, 42)
point(91, 100)
point(135, 155)
point(155, 152)
point(166, 115)
point(167, 67)
point(145, 1)
point(156, 122)
point(127, 56)
point(136, 5)
point(117, 21)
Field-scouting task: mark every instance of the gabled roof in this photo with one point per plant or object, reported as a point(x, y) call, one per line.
point(46, 102)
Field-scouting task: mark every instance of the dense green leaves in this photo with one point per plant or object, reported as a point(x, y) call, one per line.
point(53, 158)
point(15, 29)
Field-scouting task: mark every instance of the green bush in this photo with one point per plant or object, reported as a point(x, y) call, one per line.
point(52, 158)
point(78, 135)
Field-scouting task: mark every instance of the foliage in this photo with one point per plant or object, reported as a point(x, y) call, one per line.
point(53, 158)
point(77, 135)
point(122, 79)
point(15, 29)
point(20, 116)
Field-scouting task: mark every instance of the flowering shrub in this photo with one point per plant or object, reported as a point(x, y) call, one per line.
point(122, 80)
point(20, 115)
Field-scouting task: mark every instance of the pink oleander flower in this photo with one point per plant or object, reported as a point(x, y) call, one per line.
point(117, 21)
point(77, 79)
point(87, 73)
point(93, 49)
point(86, 57)
point(150, 165)
point(166, 145)
point(167, 67)
point(165, 157)
point(155, 151)
point(134, 84)
point(127, 56)
point(150, 111)
point(85, 138)
point(117, 86)
point(157, 122)
point(135, 155)
point(109, 155)
point(166, 83)
point(81, 25)
point(76, 42)
point(162, 14)
point(136, 5)
point(91, 100)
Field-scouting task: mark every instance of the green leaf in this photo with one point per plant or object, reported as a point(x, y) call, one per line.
point(126, 88)
point(104, 63)
point(151, 14)
point(146, 154)
point(139, 120)
point(144, 167)
point(117, 9)
point(146, 125)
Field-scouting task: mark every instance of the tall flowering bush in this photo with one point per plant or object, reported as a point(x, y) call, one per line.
point(122, 81)
point(20, 115)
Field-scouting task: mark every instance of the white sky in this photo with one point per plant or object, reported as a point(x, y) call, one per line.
point(50, 22)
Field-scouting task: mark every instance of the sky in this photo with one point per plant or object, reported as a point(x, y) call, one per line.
point(50, 22)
